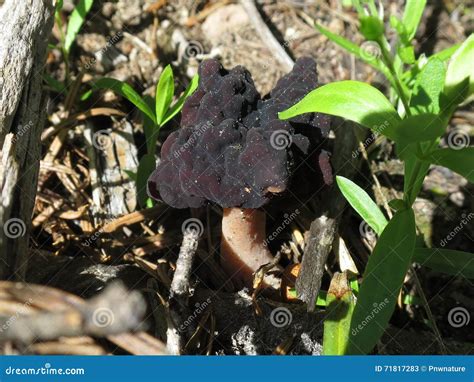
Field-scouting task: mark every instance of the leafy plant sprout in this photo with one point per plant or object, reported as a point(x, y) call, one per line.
point(426, 92)
point(156, 113)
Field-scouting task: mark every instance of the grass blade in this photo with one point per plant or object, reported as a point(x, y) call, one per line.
point(383, 278)
point(412, 16)
point(77, 18)
point(363, 204)
point(164, 94)
point(456, 263)
point(176, 108)
point(125, 90)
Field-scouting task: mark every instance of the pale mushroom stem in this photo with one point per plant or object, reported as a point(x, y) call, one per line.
point(243, 244)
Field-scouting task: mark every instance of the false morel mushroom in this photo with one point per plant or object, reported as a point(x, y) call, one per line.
point(232, 150)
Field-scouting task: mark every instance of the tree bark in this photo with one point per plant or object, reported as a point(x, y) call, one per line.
point(24, 30)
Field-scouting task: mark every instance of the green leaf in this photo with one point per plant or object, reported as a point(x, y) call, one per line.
point(340, 305)
point(145, 168)
point(413, 183)
point(459, 160)
point(397, 204)
point(382, 280)
point(125, 90)
point(456, 263)
point(407, 54)
point(428, 87)
point(447, 53)
point(164, 94)
point(420, 128)
point(150, 128)
point(59, 6)
point(176, 108)
point(371, 27)
point(54, 83)
point(461, 71)
point(355, 49)
point(132, 175)
point(78, 16)
point(397, 24)
point(363, 204)
point(353, 100)
point(412, 16)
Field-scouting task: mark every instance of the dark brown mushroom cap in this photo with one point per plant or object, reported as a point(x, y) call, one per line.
point(232, 149)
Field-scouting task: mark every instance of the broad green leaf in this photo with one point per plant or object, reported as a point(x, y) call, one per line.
point(382, 280)
point(363, 204)
point(164, 94)
point(412, 16)
point(353, 100)
point(461, 67)
point(456, 263)
point(355, 49)
point(337, 323)
point(447, 53)
point(420, 128)
point(458, 160)
point(428, 87)
point(176, 108)
point(145, 168)
point(77, 18)
point(125, 90)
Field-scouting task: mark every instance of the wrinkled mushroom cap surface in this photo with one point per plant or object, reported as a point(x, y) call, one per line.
point(232, 149)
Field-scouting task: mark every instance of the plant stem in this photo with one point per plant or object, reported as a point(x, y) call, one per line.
point(388, 60)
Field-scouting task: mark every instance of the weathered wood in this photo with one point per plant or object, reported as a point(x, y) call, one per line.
point(24, 29)
point(323, 229)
